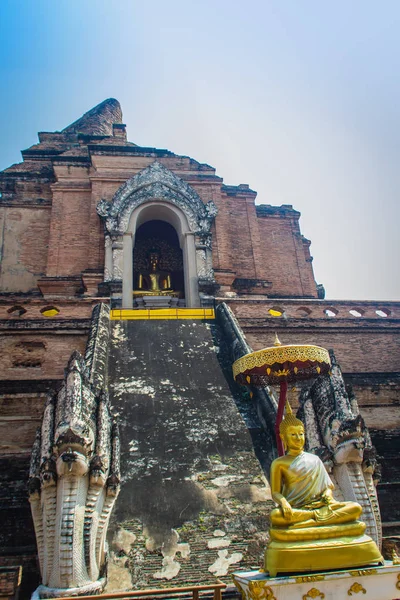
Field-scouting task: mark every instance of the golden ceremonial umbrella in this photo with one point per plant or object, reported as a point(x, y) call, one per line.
point(280, 365)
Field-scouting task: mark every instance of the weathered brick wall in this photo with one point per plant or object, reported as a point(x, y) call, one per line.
point(24, 235)
point(261, 243)
point(378, 395)
point(366, 344)
point(285, 254)
point(222, 250)
point(38, 355)
point(32, 317)
point(247, 244)
point(27, 182)
point(21, 414)
point(69, 233)
point(303, 311)
point(235, 225)
point(17, 538)
point(356, 351)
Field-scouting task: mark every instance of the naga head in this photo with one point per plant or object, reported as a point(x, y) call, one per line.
point(74, 434)
point(71, 462)
point(370, 464)
point(113, 485)
point(335, 411)
point(75, 424)
point(48, 472)
point(348, 441)
point(34, 487)
point(73, 447)
point(99, 466)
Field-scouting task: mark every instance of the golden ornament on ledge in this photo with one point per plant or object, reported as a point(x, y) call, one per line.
point(140, 293)
point(310, 530)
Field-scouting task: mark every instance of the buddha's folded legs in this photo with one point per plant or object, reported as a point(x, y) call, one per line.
point(338, 512)
point(298, 516)
point(333, 514)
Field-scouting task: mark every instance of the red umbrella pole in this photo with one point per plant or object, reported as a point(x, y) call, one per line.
point(279, 416)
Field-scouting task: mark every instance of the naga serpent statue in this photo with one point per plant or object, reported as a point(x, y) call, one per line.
point(73, 484)
point(336, 432)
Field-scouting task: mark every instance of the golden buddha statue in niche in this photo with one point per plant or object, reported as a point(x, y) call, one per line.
point(310, 530)
point(155, 281)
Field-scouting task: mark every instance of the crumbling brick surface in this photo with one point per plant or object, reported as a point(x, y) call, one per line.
point(365, 344)
point(37, 356)
point(20, 415)
point(24, 235)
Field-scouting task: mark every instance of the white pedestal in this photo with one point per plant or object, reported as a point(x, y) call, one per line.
point(370, 583)
point(157, 301)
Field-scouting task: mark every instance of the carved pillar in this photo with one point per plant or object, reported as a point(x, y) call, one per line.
point(205, 272)
point(127, 271)
point(108, 260)
point(190, 270)
point(201, 261)
point(117, 256)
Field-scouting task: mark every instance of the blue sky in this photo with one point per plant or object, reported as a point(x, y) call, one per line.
point(300, 99)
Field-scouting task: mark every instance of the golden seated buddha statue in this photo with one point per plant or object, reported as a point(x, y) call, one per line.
point(155, 282)
point(310, 530)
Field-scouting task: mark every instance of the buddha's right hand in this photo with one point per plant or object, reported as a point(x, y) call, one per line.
point(286, 509)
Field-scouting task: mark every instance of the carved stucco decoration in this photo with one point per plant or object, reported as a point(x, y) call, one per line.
point(73, 484)
point(108, 248)
point(156, 182)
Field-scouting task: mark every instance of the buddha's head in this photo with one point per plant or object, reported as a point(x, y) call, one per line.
point(291, 431)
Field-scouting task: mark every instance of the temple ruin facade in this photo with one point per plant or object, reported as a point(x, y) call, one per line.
point(137, 276)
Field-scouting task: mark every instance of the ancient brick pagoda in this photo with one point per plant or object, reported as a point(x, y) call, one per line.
point(92, 223)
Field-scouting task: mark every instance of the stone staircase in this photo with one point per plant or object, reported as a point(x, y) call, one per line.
point(194, 500)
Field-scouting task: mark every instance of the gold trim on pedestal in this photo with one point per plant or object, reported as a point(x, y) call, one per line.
point(258, 590)
point(240, 589)
point(309, 578)
point(313, 593)
point(355, 588)
point(363, 572)
point(139, 293)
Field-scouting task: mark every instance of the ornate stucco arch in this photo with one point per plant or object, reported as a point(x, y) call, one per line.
point(157, 193)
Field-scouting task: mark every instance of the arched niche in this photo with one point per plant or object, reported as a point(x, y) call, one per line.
point(157, 193)
point(161, 211)
point(162, 238)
